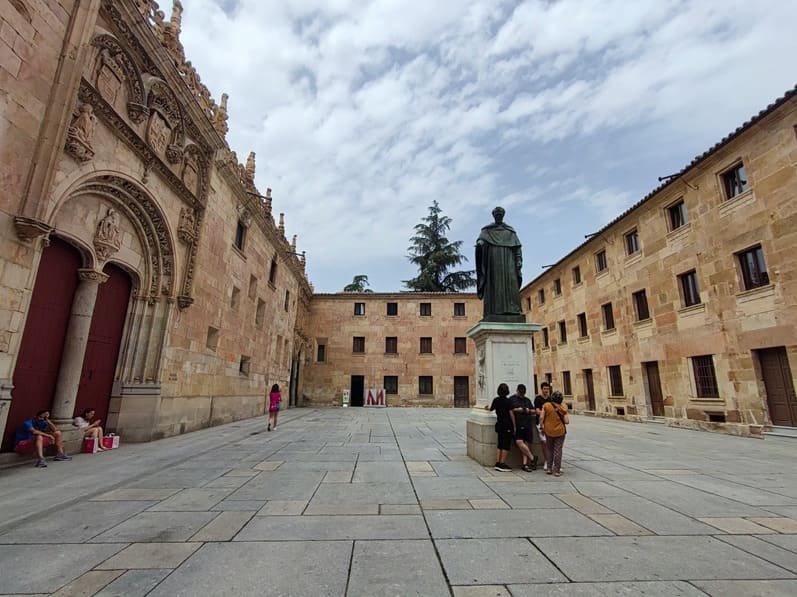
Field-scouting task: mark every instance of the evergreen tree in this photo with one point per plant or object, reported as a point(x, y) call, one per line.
point(358, 284)
point(435, 255)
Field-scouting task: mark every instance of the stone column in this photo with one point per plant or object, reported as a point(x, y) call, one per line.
point(503, 355)
point(77, 337)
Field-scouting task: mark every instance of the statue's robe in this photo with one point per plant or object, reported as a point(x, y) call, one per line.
point(498, 265)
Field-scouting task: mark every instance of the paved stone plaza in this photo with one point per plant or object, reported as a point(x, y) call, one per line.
point(385, 502)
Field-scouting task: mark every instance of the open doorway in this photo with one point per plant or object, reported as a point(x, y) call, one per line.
point(357, 390)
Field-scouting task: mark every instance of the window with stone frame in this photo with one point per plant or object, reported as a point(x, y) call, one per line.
point(676, 214)
point(541, 296)
point(576, 275)
point(390, 383)
point(753, 268)
point(567, 386)
point(460, 345)
point(426, 309)
point(235, 299)
point(260, 313)
point(359, 309)
point(705, 376)
point(272, 273)
point(243, 365)
point(583, 331)
point(562, 332)
point(321, 353)
point(391, 345)
point(608, 316)
point(632, 242)
point(287, 299)
point(640, 298)
point(426, 345)
point(252, 287)
point(459, 309)
point(358, 344)
point(601, 263)
point(734, 181)
point(426, 385)
point(549, 379)
point(545, 340)
point(557, 287)
point(528, 304)
point(615, 380)
point(690, 291)
point(392, 309)
point(240, 235)
point(212, 341)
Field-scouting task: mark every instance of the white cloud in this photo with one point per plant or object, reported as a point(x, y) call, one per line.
point(362, 113)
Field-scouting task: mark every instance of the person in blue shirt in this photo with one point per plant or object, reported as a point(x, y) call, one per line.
point(36, 434)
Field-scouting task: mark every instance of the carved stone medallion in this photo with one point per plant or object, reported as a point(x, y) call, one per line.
point(158, 133)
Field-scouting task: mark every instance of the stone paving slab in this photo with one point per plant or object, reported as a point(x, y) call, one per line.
point(299, 528)
point(88, 584)
point(608, 589)
point(380, 472)
point(470, 524)
point(746, 588)
point(130, 494)
point(191, 500)
point(151, 527)
point(75, 524)
point(654, 558)
point(383, 568)
point(150, 555)
point(764, 550)
point(46, 568)
point(785, 541)
point(310, 568)
point(481, 591)
point(134, 583)
point(737, 526)
point(449, 488)
point(495, 561)
point(659, 519)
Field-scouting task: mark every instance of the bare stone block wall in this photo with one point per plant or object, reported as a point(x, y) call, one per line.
point(334, 324)
point(730, 323)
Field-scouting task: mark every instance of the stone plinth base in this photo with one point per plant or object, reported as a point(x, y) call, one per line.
point(503, 355)
point(481, 441)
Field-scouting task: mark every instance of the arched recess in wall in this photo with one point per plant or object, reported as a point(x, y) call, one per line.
point(125, 226)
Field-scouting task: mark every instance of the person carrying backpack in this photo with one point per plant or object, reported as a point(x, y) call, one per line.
point(553, 422)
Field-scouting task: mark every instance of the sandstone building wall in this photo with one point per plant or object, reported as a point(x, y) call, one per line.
point(111, 143)
point(334, 325)
point(730, 323)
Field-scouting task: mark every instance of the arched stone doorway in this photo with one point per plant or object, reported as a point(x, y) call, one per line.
point(39, 360)
point(104, 341)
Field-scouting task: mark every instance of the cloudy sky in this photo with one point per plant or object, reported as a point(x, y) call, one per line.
point(564, 112)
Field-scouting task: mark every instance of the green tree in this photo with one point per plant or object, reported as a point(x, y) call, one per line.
point(358, 284)
point(435, 255)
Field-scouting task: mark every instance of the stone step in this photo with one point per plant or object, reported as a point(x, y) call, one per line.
point(659, 420)
point(781, 431)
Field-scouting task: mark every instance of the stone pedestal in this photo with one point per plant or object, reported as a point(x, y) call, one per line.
point(503, 355)
point(133, 411)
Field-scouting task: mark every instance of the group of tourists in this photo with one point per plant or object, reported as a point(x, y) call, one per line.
point(517, 418)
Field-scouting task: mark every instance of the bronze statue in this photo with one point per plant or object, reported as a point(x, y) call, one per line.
point(498, 271)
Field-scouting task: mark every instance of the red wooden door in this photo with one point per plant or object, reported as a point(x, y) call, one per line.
point(39, 357)
point(779, 385)
point(102, 349)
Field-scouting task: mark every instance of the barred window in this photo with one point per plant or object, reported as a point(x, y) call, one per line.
point(615, 380)
point(392, 309)
point(390, 384)
point(459, 309)
point(641, 305)
point(426, 309)
point(705, 377)
point(425, 384)
point(391, 345)
point(358, 344)
point(426, 345)
point(460, 345)
point(582, 325)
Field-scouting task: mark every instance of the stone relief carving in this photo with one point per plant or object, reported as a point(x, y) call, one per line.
point(244, 215)
point(91, 275)
point(114, 69)
point(80, 135)
point(480, 358)
point(108, 238)
point(158, 133)
point(186, 229)
point(30, 229)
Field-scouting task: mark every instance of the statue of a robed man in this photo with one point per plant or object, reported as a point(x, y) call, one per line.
point(498, 271)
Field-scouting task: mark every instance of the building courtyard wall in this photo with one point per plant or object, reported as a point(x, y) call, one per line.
point(730, 323)
point(334, 325)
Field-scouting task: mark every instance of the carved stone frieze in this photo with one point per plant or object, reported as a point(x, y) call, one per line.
point(174, 153)
point(80, 135)
point(105, 111)
point(137, 112)
point(114, 69)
